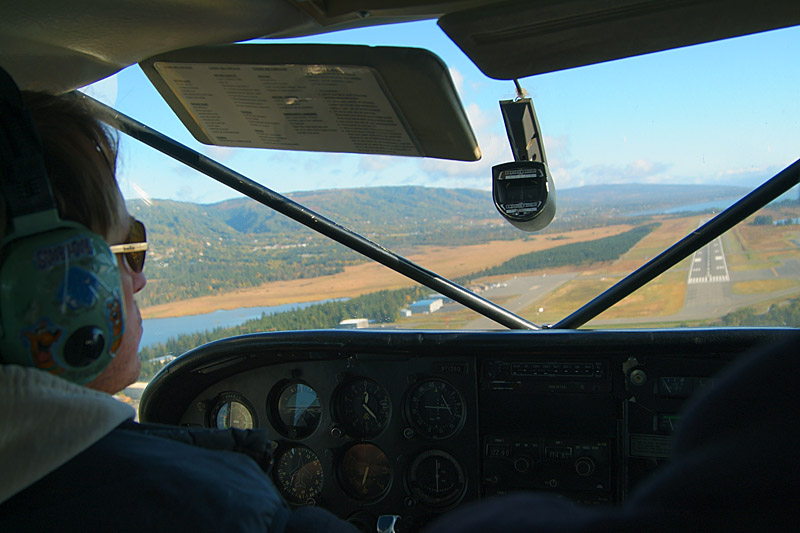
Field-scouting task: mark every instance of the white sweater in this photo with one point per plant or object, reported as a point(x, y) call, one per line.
point(45, 421)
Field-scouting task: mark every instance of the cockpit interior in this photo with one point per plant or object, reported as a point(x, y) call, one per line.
point(393, 427)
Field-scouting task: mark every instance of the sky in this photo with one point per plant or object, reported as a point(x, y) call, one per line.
point(718, 113)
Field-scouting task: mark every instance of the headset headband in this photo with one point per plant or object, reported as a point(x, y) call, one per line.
point(24, 177)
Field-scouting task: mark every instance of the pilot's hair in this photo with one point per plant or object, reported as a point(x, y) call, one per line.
point(80, 155)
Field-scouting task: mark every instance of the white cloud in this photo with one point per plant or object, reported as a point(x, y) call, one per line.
point(749, 177)
point(478, 174)
point(483, 121)
point(639, 171)
point(375, 163)
point(474, 174)
point(219, 153)
point(458, 79)
point(495, 148)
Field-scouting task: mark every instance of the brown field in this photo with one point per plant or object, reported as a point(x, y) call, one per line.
point(370, 277)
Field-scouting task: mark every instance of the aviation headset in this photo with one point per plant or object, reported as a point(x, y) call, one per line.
point(61, 306)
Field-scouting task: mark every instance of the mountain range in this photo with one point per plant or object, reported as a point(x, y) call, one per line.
point(387, 209)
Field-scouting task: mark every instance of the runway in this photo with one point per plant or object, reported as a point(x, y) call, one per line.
point(709, 265)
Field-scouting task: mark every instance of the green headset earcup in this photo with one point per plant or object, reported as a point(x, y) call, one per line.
point(61, 302)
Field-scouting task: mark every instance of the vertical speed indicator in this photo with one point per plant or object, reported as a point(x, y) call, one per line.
point(435, 409)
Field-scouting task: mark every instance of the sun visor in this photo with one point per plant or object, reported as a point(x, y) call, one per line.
point(322, 98)
point(522, 38)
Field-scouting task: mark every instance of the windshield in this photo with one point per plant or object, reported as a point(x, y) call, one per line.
point(642, 150)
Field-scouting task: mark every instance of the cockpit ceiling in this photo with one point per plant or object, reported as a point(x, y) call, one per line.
point(524, 38)
point(58, 46)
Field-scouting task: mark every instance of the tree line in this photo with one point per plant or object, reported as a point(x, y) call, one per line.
point(577, 253)
point(784, 315)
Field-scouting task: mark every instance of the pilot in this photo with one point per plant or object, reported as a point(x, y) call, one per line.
point(71, 457)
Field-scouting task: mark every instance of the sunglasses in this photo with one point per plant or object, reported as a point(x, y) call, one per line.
point(135, 246)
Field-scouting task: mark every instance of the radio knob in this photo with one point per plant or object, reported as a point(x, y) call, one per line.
point(584, 466)
point(522, 464)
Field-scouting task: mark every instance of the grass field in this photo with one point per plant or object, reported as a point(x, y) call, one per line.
point(755, 247)
point(763, 285)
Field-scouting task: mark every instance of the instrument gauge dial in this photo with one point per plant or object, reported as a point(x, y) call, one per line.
point(436, 478)
point(363, 407)
point(297, 410)
point(231, 410)
point(365, 472)
point(299, 475)
point(435, 409)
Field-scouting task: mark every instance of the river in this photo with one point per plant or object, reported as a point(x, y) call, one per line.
point(160, 329)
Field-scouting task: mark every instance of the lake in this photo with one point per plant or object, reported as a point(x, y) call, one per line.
point(160, 329)
point(717, 205)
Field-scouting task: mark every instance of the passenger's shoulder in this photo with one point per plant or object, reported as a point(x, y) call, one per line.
point(133, 480)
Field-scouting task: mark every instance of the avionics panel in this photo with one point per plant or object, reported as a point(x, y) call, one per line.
point(549, 425)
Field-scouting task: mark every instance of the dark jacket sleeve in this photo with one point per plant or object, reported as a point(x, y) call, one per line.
point(137, 480)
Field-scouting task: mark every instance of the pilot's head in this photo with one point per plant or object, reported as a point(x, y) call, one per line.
point(66, 300)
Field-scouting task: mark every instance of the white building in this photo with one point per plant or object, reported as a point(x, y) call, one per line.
point(354, 323)
point(426, 306)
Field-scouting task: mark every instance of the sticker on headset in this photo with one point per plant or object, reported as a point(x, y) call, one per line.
point(42, 341)
point(116, 321)
point(79, 289)
point(71, 250)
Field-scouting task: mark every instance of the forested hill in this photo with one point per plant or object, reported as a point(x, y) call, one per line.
point(378, 208)
point(200, 249)
point(394, 212)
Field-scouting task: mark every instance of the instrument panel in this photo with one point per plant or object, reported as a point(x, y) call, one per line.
point(413, 424)
point(356, 431)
